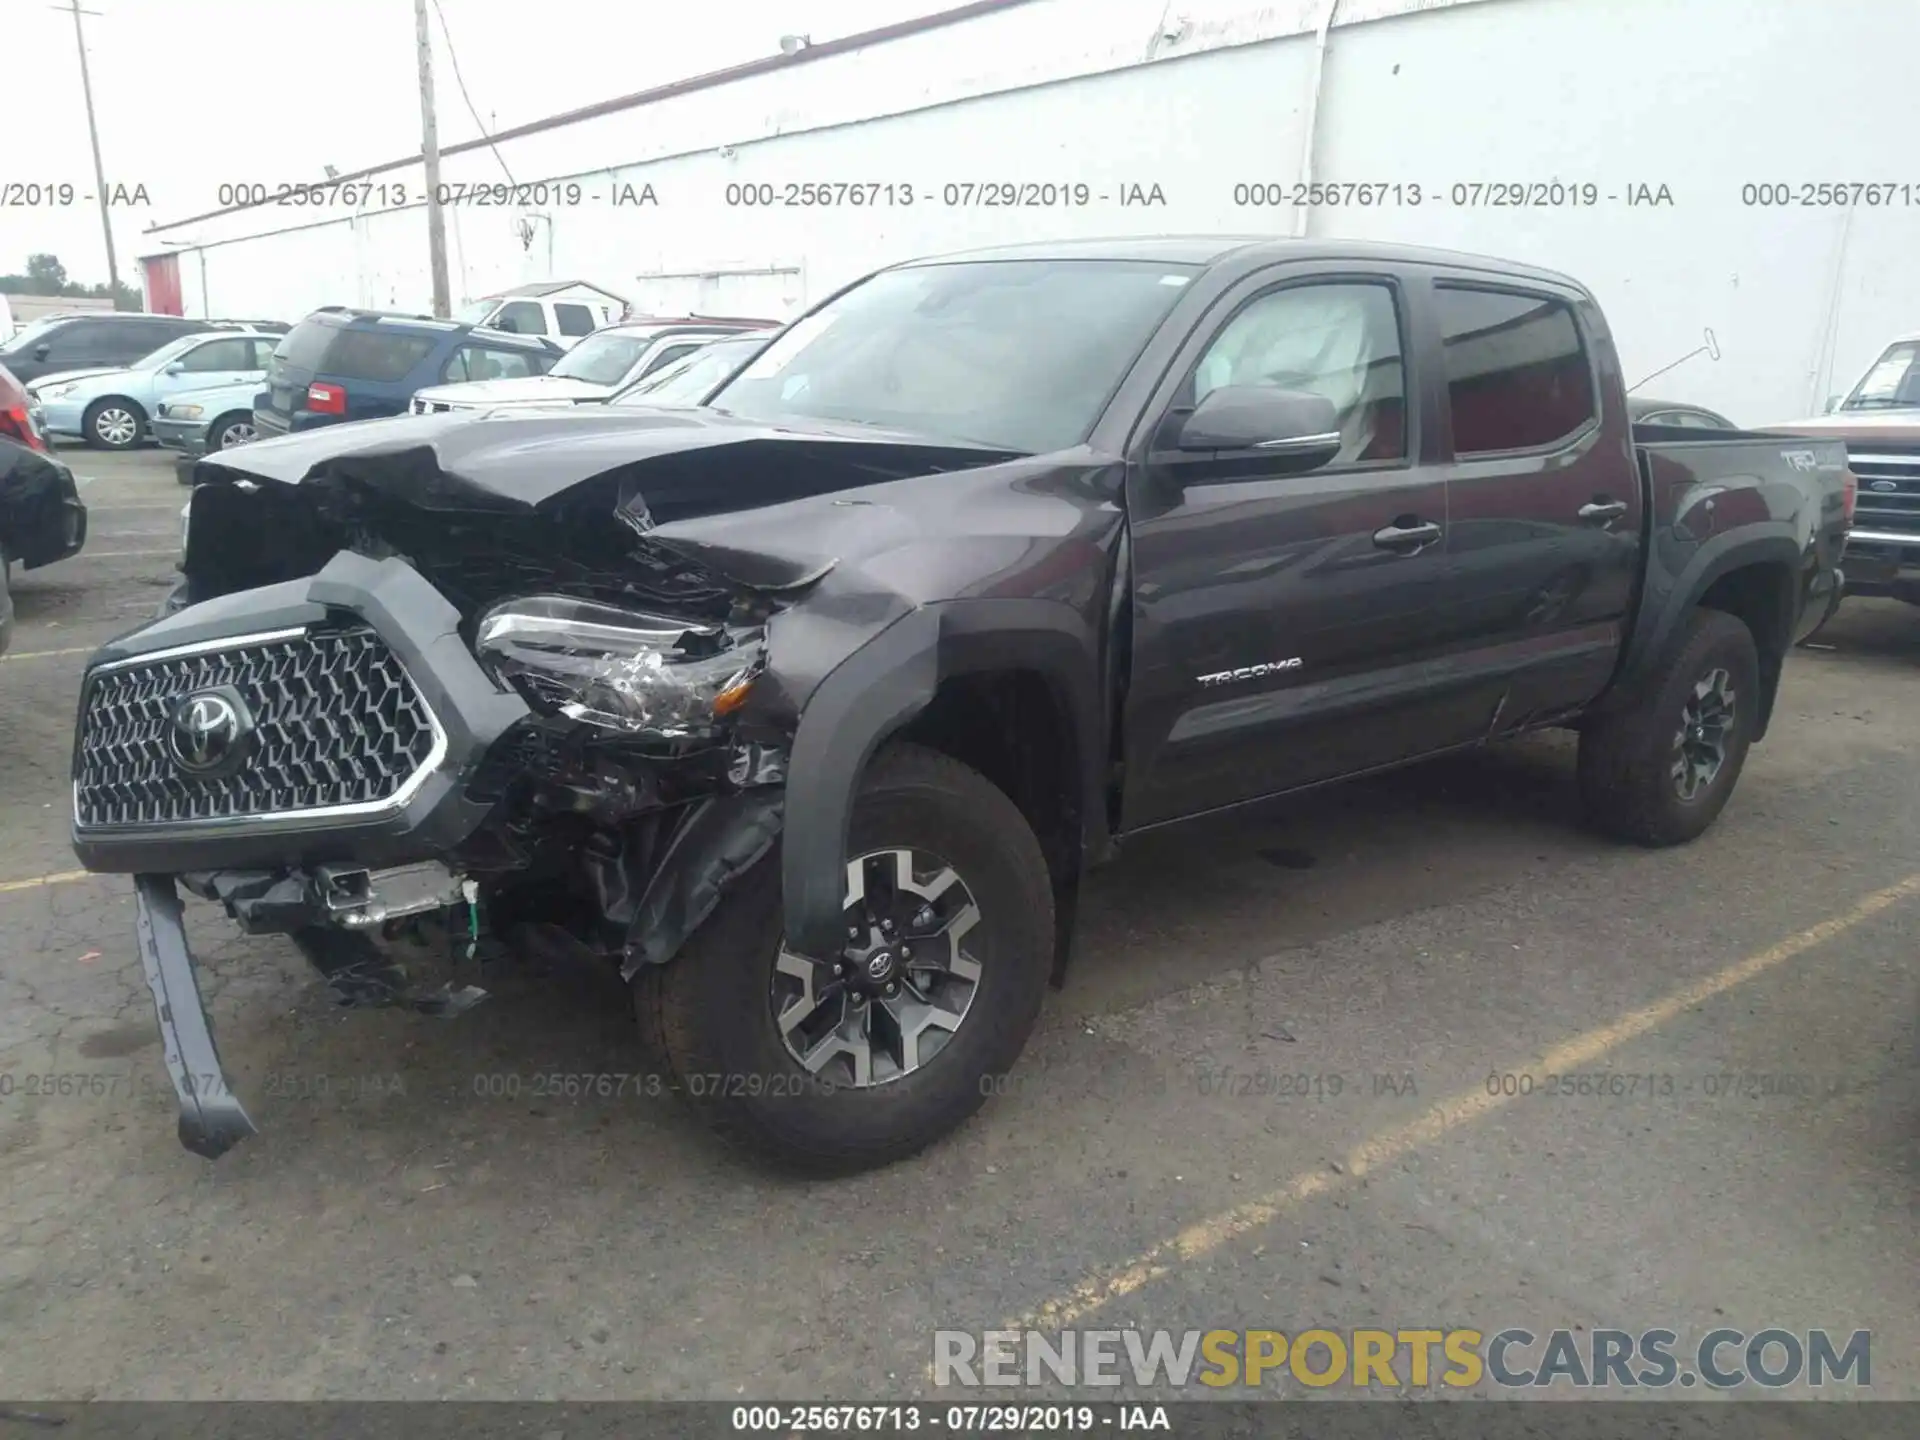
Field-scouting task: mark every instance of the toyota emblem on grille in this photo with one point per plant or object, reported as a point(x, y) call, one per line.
point(208, 731)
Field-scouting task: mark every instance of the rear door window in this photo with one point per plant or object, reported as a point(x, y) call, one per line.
point(574, 319)
point(218, 355)
point(1517, 371)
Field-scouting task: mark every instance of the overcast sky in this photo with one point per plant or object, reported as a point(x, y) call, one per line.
point(191, 94)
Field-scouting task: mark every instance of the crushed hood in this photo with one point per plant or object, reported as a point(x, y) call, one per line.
point(730, 495)
point(705, 460)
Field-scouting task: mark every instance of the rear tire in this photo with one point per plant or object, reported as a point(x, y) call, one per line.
point(1659, 771)
point(113, 423)
point(714, 1015)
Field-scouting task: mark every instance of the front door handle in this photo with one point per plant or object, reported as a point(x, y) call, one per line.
point(1407, 539)
point(1603, 509)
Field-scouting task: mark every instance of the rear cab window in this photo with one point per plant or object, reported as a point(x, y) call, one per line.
point(574, 319)
point(1517, 369)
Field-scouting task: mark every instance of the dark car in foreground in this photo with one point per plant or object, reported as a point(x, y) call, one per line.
point(340, 364)
point(41, 516)
point(806, 710)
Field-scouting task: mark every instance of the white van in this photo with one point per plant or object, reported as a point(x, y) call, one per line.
point(560, 310)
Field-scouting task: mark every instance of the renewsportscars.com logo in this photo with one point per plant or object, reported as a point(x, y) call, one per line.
point(1514, 1358)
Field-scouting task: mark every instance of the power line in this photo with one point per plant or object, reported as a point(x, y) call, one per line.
point(454, 59)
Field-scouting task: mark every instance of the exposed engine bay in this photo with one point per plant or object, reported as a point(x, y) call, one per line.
point(639, 781)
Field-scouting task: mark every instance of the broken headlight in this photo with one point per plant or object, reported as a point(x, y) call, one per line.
point(620, 669)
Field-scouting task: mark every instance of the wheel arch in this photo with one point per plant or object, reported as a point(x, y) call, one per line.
point(1757, 580)
point(225, 418)
point(1008, 687)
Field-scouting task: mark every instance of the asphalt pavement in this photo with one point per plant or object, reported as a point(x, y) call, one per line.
point(1318, 1070)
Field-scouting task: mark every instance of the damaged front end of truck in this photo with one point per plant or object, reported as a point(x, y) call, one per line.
point(488, 672)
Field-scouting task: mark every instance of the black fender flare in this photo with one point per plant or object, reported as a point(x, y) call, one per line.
point(878, 689)
point(1666, 605)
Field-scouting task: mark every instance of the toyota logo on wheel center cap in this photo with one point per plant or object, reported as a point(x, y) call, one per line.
point(208, 732)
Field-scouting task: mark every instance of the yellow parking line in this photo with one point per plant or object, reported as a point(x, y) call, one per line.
point(59, 878)
point(1204, 1236)
point(47, 654)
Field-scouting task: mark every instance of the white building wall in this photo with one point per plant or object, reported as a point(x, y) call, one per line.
point(1698, 96)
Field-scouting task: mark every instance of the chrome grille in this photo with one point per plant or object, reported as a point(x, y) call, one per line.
point(429, 407)
point(1888, 502)
point(338, 727)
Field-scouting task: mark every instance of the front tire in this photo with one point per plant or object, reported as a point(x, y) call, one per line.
point(826, 1071)
point(229, 431)
point(1659, 771)
point(113, 423)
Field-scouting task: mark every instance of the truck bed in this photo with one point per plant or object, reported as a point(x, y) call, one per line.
point(1724, 487)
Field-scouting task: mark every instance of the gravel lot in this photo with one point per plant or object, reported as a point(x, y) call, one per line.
point(398, 1231)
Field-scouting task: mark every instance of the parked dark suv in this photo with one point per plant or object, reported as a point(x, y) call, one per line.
point(104, 341)
point(340, 364)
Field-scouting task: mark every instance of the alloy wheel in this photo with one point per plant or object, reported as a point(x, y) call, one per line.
point(1706, 724)
point(116, 426)
point(900, 988)
point(238, 433)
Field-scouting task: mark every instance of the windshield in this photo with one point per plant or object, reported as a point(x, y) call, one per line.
point(690, 380)
point(1894, 380)
point(603, 359)
point(25, 334)
point(1017, 354)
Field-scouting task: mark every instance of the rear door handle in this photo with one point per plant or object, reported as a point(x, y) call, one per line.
point(1407, 539)
point(1603, 509)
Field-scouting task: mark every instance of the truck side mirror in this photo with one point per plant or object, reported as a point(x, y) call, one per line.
point(1294, 423)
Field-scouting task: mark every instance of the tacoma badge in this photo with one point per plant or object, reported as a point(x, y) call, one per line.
point(1249, 672)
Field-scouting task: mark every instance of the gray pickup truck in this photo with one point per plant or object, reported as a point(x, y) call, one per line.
point(807, 709)
point(1879, 421)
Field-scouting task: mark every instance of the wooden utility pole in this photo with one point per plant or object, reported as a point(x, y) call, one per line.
point(430, 149)
point(93, 133)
